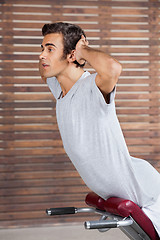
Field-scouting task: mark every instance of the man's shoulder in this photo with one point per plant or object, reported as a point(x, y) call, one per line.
point(88, 78)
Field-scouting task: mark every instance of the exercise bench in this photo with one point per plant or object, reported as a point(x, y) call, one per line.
point(115, 213)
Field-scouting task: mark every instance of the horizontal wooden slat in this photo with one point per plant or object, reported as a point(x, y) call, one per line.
point(30, 96)
point(33, 152)
point(38, 175)
point(60, 158)
point(136, 4)
point(46, 9)
point(45, 89)
point(24, 128)
point(43, 190)
point(77, 17)
point(29, 144)
point(6, 136)
point(26, 96)
point(26, 105)
point(37, 206)
point(42, 183)
point(60, 197)
point(149, 126)
point(23, 65)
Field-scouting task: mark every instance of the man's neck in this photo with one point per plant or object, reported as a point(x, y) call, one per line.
point(69, 78)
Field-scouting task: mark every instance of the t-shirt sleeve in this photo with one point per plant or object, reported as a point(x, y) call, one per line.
point(54, 87)
point(99, 94)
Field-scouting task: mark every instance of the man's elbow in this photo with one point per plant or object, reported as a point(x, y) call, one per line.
point(115, 71)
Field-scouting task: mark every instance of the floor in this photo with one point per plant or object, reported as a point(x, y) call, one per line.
point(71, 232)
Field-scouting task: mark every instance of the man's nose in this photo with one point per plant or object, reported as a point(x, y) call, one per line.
point(42, 56)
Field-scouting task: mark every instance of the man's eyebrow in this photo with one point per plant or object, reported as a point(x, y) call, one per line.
point(49, 44)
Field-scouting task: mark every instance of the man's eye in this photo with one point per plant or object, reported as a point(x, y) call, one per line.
point(50, 49)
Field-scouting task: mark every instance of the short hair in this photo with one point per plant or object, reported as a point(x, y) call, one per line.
point(71, 35)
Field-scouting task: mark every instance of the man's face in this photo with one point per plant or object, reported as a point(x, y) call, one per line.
point(51, 62)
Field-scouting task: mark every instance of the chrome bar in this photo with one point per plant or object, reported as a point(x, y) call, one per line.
point(107, 224)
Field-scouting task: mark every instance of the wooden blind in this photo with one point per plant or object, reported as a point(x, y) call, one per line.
point(35, 172)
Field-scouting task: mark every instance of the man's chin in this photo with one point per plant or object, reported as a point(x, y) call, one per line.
point(50, 76)
point(46, 75)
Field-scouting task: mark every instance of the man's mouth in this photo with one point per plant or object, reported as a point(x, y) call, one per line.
point(45, 65)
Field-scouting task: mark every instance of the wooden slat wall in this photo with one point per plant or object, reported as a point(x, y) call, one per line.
point(35, 173)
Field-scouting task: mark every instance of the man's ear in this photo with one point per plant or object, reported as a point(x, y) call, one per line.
point(72, 56)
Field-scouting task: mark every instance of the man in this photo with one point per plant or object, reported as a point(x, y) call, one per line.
point(87, 120)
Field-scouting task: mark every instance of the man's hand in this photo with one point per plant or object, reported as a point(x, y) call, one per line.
point(82, 43)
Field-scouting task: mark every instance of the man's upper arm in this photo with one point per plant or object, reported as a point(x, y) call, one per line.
point(107, 81)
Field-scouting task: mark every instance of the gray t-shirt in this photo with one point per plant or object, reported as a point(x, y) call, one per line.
point(94, 142)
